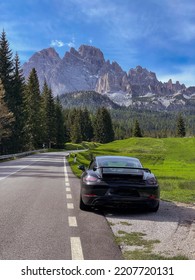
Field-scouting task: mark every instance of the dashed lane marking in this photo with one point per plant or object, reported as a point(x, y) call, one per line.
point(72, 221)
point(70, 205)
point(69, 196)
point(75, 242)
point(76, 248)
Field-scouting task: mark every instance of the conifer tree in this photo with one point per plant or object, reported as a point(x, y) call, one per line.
point(86, 125)
point(33, 128)
point(75, 129)
point(6, 68)
point(17, 107)
point(60, 128)
point(49, 118)
point(6, 120)
point(103, 129)
point(181, 131)
point(136, 129)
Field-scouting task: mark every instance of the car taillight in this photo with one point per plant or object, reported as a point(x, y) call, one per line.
point(90, 195)
point(90, 178)
point(152, 196)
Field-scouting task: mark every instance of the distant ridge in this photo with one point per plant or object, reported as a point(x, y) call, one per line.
point(86, 69)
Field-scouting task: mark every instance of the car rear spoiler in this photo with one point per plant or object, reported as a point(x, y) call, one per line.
point(122, 167)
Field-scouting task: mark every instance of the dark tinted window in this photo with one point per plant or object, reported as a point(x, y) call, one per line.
point(119, 162)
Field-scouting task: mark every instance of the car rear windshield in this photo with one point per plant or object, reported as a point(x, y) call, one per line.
point(119, 162)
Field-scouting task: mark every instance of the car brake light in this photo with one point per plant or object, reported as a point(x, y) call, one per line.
point(152, 196)
point(90, 195)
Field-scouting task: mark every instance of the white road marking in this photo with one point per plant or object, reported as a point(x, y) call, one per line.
point(72, 221)
point(69, 196)
point(67, 184)
point(70, 205)
point(75, 242)
point(76, 248)
point(18, 170)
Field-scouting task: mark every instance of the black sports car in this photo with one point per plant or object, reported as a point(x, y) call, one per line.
point(118, 181)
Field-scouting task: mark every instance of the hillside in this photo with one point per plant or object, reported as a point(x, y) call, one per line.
point(88, 99)
point(172, 160)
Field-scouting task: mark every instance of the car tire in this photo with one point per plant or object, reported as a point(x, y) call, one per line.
point(154, 209)
point(83, 206)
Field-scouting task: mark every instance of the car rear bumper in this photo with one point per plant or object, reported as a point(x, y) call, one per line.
point(120, 202)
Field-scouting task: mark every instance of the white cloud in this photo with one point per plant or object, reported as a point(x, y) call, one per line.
point(71, 44)
point(57, 43)
point(96, 8)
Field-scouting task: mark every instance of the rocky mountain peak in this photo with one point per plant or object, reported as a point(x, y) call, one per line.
point(41, 59)
point(90, 51)
point(72, 56)
point(116, 67)
point(141, 76)
point(47, 53)
point(91, 54)
point(85, 69)
point(74, 52)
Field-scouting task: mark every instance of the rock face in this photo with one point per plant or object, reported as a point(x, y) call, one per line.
point(87, 70)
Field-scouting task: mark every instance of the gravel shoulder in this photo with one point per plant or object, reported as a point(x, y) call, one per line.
point(170, 232)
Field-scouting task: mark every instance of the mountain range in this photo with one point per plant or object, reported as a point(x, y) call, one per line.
point(86, 69)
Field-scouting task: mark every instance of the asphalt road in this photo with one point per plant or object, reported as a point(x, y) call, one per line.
point(40, 216)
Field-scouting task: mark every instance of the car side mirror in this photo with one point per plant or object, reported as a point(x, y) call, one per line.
point(81, 167)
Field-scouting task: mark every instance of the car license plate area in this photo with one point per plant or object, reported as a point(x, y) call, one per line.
point(124, 192)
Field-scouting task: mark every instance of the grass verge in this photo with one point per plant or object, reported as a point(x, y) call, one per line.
point(172, 160)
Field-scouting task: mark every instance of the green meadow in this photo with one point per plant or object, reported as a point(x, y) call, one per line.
point(172, 160)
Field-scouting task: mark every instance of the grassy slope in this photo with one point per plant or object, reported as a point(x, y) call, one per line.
point(172, 160)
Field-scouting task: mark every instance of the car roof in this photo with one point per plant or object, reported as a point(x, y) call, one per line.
point(116, 157)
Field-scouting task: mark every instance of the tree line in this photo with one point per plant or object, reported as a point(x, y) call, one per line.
point(142, 123)
point(82, 125)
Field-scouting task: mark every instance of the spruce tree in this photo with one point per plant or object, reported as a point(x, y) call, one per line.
point(75, 129)
point(33, 127)
point(86, 126)
point(60, 128)
point(136, 129)
point(6, 120)
point(6, 69)
point(181, 131)
point(49, 118)
point(17, 107)
point(103, 129)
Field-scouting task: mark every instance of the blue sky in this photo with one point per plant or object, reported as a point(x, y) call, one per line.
point(157, 34)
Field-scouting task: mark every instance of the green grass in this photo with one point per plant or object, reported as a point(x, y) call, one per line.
point(134, 239)
point(172, 160)
point(81, 146)
point(146, 246)
point(148, 255)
